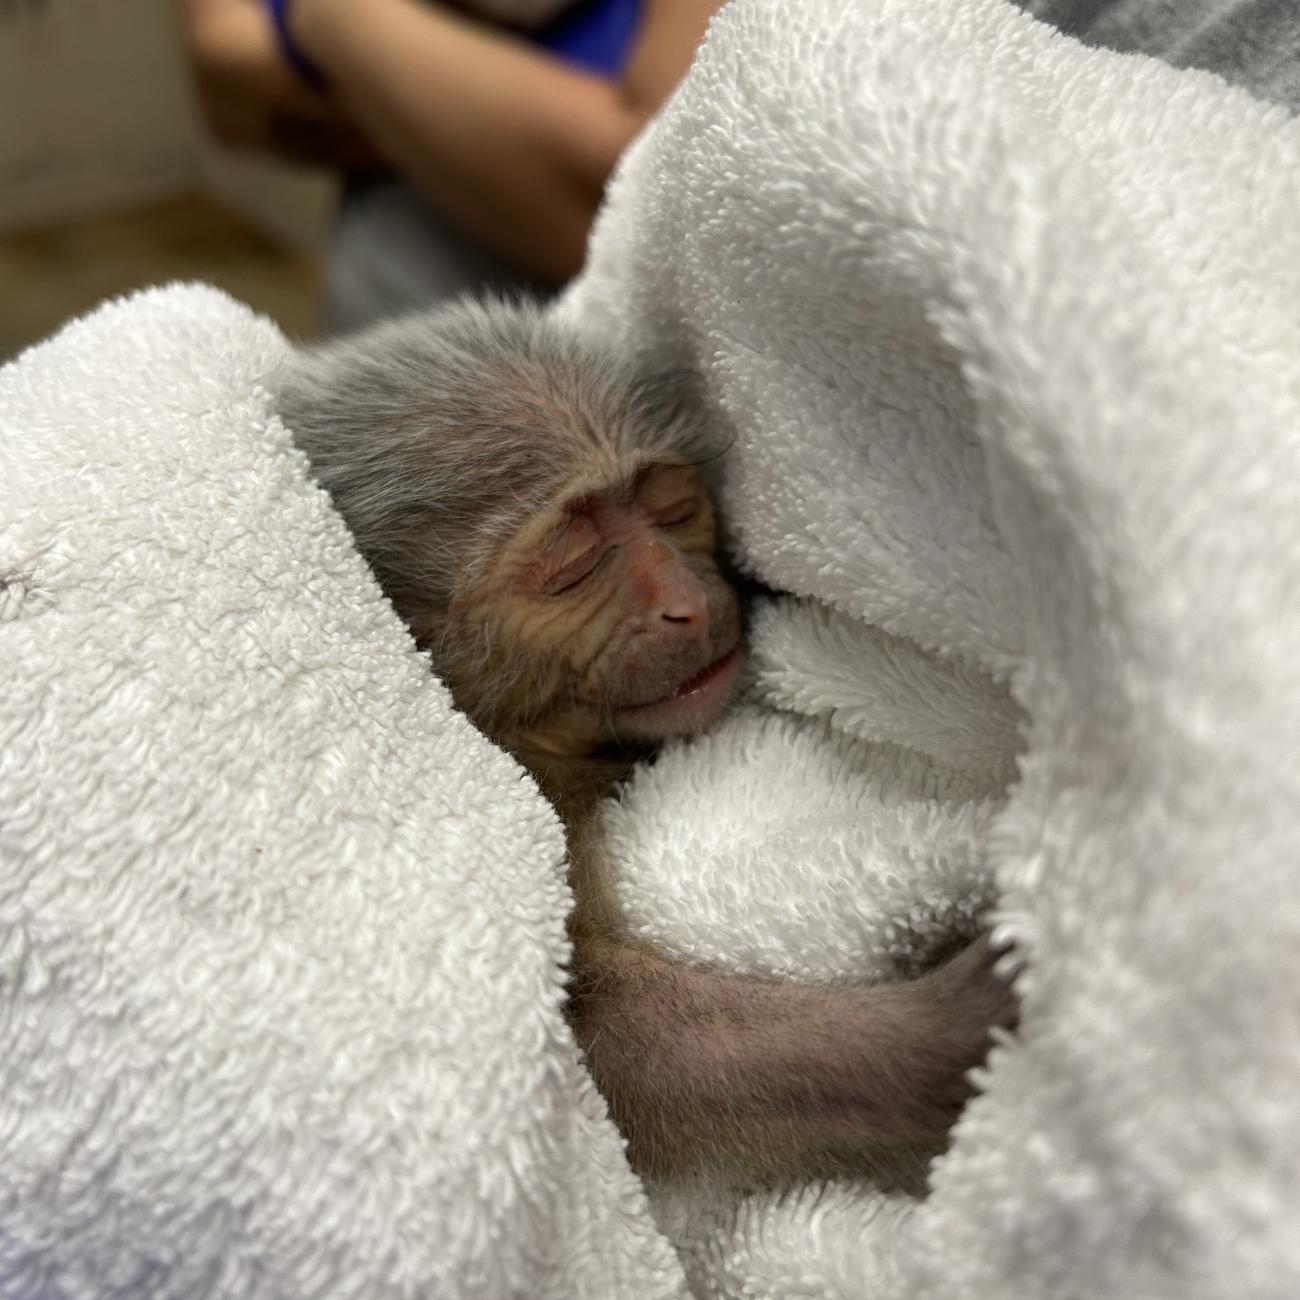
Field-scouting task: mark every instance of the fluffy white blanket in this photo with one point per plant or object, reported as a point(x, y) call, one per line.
point(280, 932)
point(1005, 333)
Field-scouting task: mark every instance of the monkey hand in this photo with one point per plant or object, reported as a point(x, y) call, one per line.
point(962, 1001)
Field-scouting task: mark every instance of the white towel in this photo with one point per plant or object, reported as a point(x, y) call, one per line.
point(1005, 333)
point(280, 932)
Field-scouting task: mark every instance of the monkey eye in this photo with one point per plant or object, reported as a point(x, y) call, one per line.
point(570, 558)
point(669, 494)
point(680, 512)
point(572, 574)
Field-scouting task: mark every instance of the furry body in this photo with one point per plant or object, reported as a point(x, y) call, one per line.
point(530, 505)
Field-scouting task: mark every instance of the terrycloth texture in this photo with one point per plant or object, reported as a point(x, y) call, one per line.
point(280, 932)
point(1005, 331)
point(870, 857)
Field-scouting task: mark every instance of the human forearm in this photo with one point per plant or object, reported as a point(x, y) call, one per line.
point(509, 142)
point(251, 99)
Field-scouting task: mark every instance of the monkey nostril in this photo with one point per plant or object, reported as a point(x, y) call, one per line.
point(687, 614)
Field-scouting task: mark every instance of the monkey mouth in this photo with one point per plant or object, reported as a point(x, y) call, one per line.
point(724, 667)
point(692, 704)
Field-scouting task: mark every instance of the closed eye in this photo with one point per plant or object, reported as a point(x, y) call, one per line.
point(574, 573)
point(569, 558)
point(680, 512)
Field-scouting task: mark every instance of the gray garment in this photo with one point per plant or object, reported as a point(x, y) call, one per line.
point(1252, 43)
point(392, 253)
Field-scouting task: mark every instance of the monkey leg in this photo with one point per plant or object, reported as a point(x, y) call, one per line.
point(737, 1076)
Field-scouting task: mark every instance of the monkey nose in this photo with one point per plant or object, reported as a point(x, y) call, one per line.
point(688, 609)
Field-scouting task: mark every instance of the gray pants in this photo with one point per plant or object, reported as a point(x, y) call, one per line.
point(393, 253)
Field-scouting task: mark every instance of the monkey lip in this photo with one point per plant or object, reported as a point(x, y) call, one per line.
point(708, 685)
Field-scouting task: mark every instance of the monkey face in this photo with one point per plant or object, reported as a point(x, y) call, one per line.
point(607, 620)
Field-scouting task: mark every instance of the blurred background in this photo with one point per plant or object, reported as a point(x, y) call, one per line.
point(472, 139)
point(470, 144)
point(109, 180)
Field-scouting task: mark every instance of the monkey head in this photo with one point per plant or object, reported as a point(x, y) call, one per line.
point(529, 504)
point(605, 618)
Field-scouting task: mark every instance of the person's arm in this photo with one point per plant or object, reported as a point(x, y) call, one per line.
point(508, 141)
point(251, 99)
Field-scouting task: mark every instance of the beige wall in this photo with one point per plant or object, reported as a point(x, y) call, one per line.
point(96, 113)
point(292, 205)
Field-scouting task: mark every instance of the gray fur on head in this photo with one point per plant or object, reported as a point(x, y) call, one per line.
point(438, 434)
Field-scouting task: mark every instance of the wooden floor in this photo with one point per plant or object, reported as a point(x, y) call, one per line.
point(49, 275)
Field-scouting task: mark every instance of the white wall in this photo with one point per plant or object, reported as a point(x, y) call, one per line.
point(96, 113)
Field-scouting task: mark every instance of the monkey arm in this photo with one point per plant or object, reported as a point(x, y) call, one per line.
point(706, 1071)
point(510, 142)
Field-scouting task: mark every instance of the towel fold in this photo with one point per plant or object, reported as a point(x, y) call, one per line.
point(1002, 333)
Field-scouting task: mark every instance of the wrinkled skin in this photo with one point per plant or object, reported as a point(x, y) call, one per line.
point(594, 619)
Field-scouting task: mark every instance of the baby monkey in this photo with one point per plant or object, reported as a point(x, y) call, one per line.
point(531, 507)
